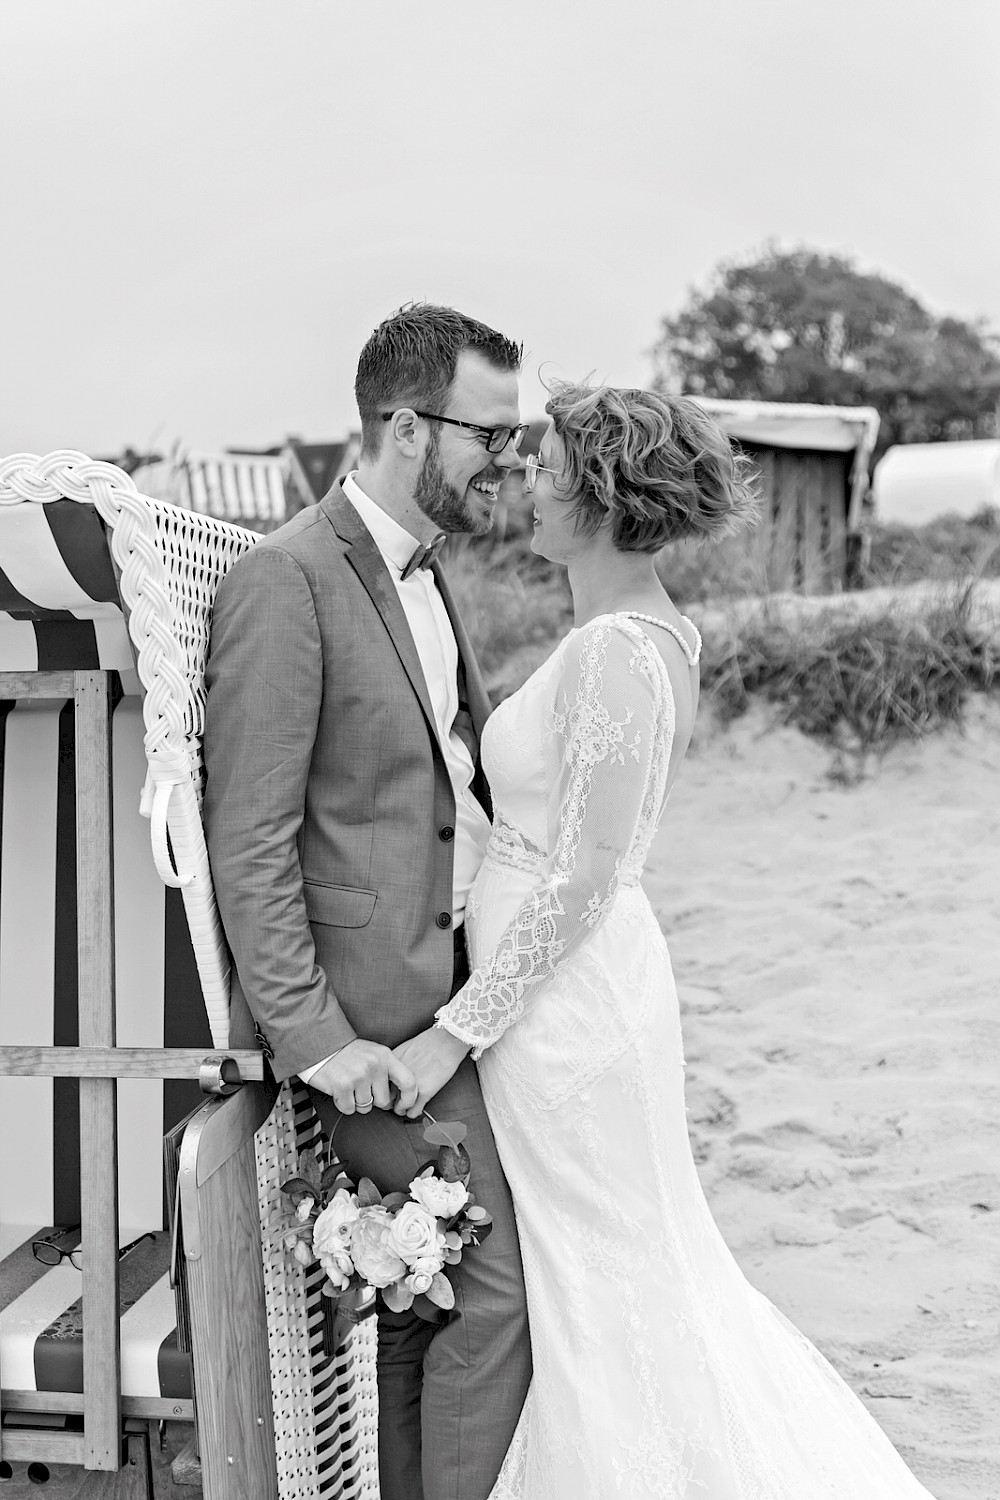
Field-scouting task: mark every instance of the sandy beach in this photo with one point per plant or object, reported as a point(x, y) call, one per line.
point(837, 951)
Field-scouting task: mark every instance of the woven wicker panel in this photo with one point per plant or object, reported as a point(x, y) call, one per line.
point(337, 1457)
point(287, 1310)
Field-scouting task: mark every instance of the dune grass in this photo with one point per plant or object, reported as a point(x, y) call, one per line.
point(944, 549)
point(859, 681)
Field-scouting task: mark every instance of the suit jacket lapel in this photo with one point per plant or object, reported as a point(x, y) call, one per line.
point(367, 562)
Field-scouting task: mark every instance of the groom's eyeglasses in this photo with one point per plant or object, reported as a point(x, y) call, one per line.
point(532, 468)
point(495, 438)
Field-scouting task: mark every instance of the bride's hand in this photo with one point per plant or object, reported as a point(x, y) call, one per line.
point(432, 1057)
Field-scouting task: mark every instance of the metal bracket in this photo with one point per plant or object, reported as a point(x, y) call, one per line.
point(219, 1075)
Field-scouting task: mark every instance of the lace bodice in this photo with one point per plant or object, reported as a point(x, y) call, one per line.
point(577, 762)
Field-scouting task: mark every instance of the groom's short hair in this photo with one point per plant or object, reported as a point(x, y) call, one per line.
point(410, 360)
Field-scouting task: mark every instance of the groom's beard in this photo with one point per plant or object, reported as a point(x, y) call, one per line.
point(442, 502)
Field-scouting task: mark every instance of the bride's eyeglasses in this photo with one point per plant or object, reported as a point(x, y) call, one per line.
point(532, 468)
point(50, 1254)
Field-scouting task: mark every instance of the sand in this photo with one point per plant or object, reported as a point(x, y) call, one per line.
point(837, 952)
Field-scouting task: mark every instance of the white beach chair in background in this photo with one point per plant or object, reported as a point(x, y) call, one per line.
point(114, 1024)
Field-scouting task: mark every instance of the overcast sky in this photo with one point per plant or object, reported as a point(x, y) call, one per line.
point(207, 204)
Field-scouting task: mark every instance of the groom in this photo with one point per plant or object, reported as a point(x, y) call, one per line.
point(346, 815)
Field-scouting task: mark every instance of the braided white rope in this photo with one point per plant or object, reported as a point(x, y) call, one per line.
point(169, 563)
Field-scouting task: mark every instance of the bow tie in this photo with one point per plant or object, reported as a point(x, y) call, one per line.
point(424, 556)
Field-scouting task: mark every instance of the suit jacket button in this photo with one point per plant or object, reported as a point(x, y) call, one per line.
point(447, 834)
point(444, 919)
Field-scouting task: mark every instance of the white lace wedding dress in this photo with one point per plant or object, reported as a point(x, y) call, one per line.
point(658, 1370)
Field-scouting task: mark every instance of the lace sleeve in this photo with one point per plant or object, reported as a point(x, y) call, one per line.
point(612, 730)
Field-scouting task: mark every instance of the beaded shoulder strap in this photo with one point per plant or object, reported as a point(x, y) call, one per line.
point(692, 655)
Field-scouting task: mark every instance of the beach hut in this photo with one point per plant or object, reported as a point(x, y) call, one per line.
point(247, 489)
point(314, 468)
point(143, 1275)
point(257, 489)
point(916, 482)
point(812, 463)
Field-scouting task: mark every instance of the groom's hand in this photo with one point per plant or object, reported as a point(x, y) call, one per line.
point(359, 1077)
point(432, 1057)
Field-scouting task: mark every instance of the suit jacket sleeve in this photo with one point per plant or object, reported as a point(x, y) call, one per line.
point(265, 685)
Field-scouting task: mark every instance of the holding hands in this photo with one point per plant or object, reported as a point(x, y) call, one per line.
point(365, 1075)
point(431, 1058)
point(360, 1078)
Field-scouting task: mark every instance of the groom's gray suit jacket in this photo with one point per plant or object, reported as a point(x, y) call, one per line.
point(329, 812)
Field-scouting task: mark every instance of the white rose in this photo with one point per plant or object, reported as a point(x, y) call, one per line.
point(304, 1208)
point(415, 1234)
point(418, 1282)
point(303, 1254)
point(335, 1272)
point(339, 1261)
point(427, 1265)
point(443, 1199)
point(332, 1228)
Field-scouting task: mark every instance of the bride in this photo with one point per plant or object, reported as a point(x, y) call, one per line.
point(658, 1370)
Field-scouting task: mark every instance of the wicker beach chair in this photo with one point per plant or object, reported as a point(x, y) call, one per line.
point(114, 1002)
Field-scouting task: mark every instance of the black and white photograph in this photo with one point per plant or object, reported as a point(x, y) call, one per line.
point(500, 750)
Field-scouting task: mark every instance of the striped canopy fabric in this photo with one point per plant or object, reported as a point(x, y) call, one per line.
point(59, 603)
point(158, 1003)
point(158, 992)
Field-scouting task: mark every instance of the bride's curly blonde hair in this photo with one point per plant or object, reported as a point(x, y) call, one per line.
point(657, 465)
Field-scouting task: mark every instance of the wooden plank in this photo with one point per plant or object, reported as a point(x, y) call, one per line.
point(229, 1325)
point(784, 521)
point(811, 500)
point(98, 1096)
point(36, 685)
point(120, 1062)
point(43, 1447)
point(70, 1404)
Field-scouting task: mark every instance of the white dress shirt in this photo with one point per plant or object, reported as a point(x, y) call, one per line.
point(438, 652)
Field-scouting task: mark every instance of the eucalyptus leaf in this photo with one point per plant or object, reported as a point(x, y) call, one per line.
point(441, 1292)
point(444, 1132)
point(298, 1187)
point(334, 1176)
point(368, 1193)
point(397, 1297)
point(309, 1168)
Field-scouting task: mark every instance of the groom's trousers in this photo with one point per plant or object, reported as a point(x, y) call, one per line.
point(449, 1397)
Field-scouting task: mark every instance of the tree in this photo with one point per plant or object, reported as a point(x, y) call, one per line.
point(799, 325)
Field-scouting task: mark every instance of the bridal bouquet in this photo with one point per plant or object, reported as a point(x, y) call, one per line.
point(396, 1246)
